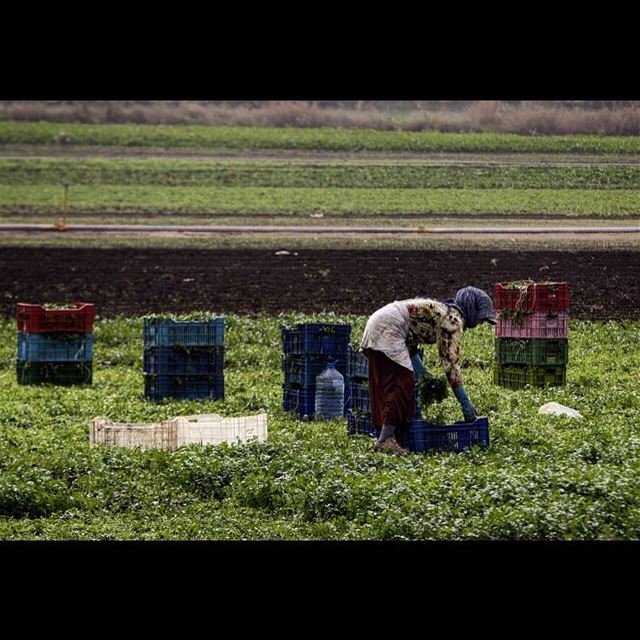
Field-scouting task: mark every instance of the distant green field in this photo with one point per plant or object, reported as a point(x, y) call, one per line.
point(186, 190)
point(126, 200)
point(234, 137)
point(345, 175)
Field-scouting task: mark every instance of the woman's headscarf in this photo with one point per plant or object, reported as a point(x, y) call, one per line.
point(474, 304)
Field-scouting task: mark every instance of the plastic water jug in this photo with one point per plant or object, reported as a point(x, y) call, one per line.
point(329, 393)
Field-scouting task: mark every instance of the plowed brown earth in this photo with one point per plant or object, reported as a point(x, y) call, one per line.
point(128, 281)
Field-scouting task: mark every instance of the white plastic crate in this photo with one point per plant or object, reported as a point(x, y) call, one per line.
point(159, 435)
point(214, 429)
point(177, 432)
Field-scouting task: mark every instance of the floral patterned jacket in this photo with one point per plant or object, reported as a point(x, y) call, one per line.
point(433, 322)
point(398, 328)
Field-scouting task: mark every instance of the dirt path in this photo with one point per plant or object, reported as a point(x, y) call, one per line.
point(193, 228)
point(303, 155)
point(134, 281)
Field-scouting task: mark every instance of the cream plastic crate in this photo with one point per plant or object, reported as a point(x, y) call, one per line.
point(214, 429)
point(182, 430)
point(160, 435)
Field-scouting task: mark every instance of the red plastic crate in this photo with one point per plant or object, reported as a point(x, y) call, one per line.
point(533, 325)
point(34, 318)
point(536, 297)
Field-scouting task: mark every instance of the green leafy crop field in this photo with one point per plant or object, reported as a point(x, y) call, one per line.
point(161, 191)
point(543, 477)
point(338, 139)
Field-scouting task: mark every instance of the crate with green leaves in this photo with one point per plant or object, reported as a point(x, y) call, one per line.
point(533, 351)
point(518, 377)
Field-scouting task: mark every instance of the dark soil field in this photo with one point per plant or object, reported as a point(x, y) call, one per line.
point(131, 281)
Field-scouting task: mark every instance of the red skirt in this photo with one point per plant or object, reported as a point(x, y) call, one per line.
point(391, 391)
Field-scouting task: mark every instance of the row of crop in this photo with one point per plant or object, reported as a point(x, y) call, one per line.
point(246, 200)
point(335, 139)
point(26, 171)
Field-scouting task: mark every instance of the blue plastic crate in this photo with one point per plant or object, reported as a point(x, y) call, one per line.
point(176, 361)
point(303, 370)
point(316, 339)
point(55, 347)
point(359, 397)
point(302, 400)
point(184, 387)
point(359, 423)
point(357, 365)
point(421, 436)
point(176, 333)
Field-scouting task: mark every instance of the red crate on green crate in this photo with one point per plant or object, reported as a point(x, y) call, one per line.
point(35, 318)
point(517, 377)
point(534, 296)
point(532, 351)
point(533, 325)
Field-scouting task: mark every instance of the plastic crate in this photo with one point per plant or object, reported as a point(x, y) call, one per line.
point(302, 400)
point(303, 370)
point(55, 347)
point(357, 365)
point(177, 361)
point(359, 397)
point(175, 333)
point(316, 339)
point(214, 429)
point(532, 351)
point(34, 318)
point(534, 325)
point(60, 373)
point(536, 297)
point(158, 435)
point(421, 436)
point(157, 387)
point(518, 377)
point(360, 423)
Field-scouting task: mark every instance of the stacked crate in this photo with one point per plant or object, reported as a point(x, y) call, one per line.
point(184, 360)
point(358, 409)
point(532, 346)
point(55, 345)
point(307, 349)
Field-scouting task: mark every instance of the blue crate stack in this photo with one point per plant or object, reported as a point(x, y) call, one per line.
point(184, 360)
point(307, 349)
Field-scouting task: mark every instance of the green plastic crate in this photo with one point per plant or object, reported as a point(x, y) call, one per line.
point(532, 351)
point(59, 373)
point(518, 377)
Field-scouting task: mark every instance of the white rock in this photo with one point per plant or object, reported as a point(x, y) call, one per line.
point(556, 409)
point(283, 253)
